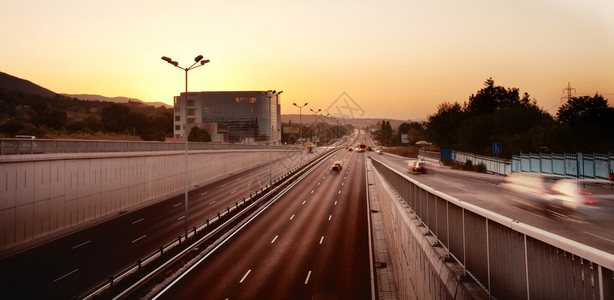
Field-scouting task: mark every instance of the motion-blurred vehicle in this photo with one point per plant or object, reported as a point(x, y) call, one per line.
point(418, 166)
point(350, 149)
point(571, 197)
point(337, 166)
point(559, 196)
point(379, 151)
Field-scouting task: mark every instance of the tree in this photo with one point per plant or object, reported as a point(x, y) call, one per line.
point(492, 98)
point(441, 127)
point(590, 123)
point(116, 118)
point(198, 134)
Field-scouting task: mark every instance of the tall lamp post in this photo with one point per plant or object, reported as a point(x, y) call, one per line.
point(197, 60)
point(270, 95)
point(300, 126)
point(300, 118)
point(315, 117)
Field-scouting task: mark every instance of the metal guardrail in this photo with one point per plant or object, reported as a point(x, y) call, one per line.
point(510, 260)
point(47, 146)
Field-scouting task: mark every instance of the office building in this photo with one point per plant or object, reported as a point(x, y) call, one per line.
point(236, 117)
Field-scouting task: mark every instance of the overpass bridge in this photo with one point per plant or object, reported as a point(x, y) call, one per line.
point(440, 246)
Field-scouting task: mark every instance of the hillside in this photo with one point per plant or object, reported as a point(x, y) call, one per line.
point(13, 84)
point(356, 122)
point(124, 100)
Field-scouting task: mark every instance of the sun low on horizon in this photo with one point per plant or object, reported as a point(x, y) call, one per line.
point(393, 59)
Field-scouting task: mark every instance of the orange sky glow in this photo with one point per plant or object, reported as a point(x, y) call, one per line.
point(394, 59)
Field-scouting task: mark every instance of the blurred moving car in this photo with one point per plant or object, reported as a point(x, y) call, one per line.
point(559, 196)
point(418, 166)
point(337, 166)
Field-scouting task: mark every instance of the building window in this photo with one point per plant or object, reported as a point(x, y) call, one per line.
point(177, 127)
point(177, 118)
point(191, 112)
point(252, 100)
point(191, 102)
point(191, 121)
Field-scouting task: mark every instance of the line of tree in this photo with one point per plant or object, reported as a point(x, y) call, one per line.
point(323, 132)
point(496, 114)
point(42, 116)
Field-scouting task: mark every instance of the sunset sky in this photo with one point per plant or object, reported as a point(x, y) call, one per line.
point(394, 59)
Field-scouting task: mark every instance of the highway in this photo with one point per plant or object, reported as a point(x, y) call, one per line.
point(311, 244)
point(64, 267)
point(484, 190)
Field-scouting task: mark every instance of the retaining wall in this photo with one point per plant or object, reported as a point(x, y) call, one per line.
point(45, 194)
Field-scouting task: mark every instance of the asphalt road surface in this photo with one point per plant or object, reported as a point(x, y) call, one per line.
point(311, 244)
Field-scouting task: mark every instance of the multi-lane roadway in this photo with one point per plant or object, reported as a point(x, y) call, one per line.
point(311, 244)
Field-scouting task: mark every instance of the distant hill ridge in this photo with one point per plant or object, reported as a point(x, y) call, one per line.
point(14, 84)
point(90, 97)
point(17, 85)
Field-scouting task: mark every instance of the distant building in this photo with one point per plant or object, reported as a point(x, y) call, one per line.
point(238, 117)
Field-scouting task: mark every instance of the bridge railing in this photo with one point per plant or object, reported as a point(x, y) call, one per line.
point(47, 146)
point(510, 260)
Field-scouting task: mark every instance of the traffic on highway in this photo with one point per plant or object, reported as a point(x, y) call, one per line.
point(578, 210)
point(311, 242)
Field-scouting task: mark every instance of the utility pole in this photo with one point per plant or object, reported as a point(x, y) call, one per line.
point(568, 89)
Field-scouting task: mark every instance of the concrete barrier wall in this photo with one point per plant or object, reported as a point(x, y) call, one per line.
point(45, 194)
point(421, 270)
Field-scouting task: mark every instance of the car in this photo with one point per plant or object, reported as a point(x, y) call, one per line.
point(337, 166)
point(379, 151)
point(418, 166)
point(569, 197)
point(350, 149)
point(528, 189)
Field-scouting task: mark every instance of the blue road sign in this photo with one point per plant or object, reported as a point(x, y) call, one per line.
point(496, 148)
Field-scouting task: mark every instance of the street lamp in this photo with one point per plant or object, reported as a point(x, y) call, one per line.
point(300, 119)
point(315, 117)
point(300, 124)
point(326, 127)
point(198, 59)
point(270, 95)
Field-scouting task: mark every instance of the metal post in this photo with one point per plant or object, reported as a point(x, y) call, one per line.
point(198, 59)
point(185, 133)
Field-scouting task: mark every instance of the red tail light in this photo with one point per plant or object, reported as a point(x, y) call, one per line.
point(589, 201)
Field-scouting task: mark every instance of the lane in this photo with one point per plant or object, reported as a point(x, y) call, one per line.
point(311, 244)
point(66, 266)
point(484, 190)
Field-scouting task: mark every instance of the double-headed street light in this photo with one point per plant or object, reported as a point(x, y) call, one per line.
point(270, 95)
point(300, 124)
point(198, 59)
point(315, 118)
point(300, 119)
